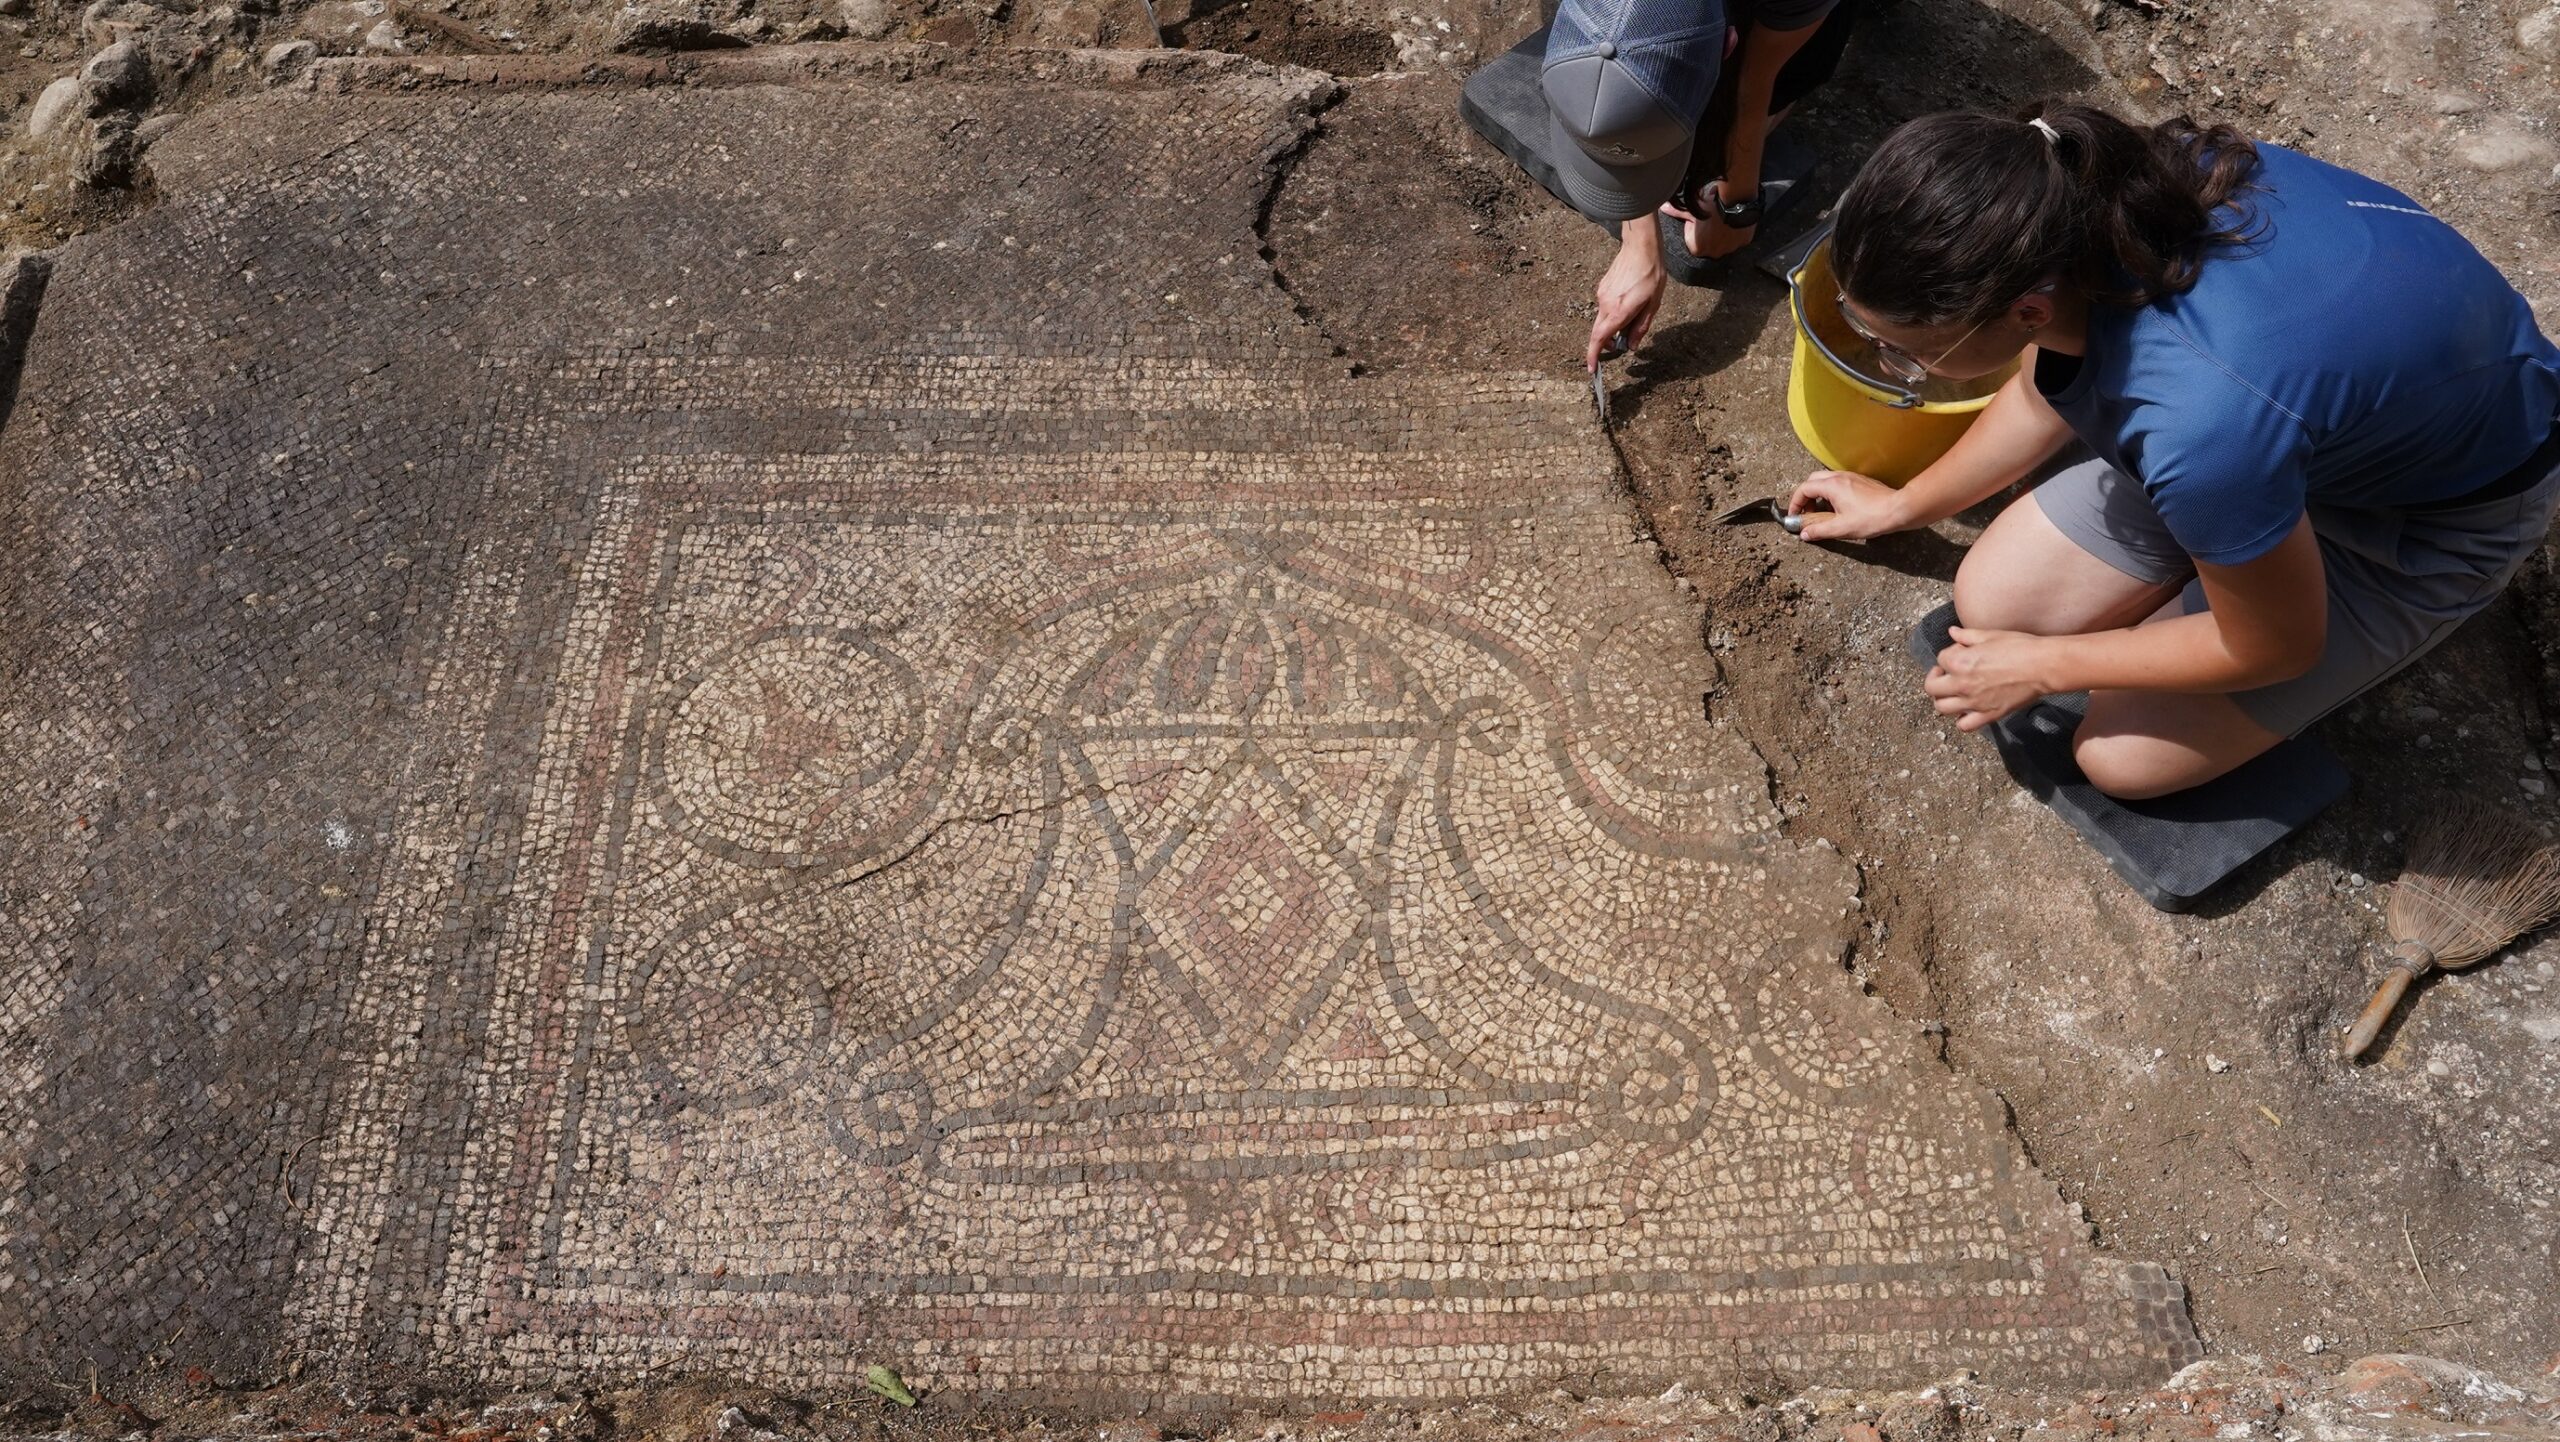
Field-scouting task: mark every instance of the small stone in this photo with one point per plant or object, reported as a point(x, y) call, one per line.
point(666, 26)
point(2313, 1345)
point(107, 162)
point(61, 102)
point(2438, 1068)
point(2384, 1384)
point(1926, 1418)
point(119, 75)
point(337, 26)
point(109, 21)
point(2215, 1064)
point(1072, 26)
point(864, 19)
point(284, 61)
point(2502, 144)
point(2539, 32)
point(384, 39)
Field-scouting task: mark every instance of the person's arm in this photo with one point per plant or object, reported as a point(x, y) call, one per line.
point(2268, 622)
point(1765, 52)
point(1630, 292)
point(2017, 432)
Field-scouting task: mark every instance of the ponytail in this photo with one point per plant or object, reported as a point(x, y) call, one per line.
point(1958, 214)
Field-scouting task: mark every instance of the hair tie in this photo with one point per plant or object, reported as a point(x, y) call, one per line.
point(2051, 135)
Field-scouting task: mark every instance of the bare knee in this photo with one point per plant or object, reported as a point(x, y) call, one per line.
point(2136, 745)
point(2136, 768)
point(2026, 575)
point(1990, 601)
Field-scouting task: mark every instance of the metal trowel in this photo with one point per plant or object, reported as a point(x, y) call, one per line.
point(1767, 508)
point(1610, 350)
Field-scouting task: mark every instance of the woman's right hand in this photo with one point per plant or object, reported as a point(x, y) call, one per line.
point(1860, 508)
point(1628, 297)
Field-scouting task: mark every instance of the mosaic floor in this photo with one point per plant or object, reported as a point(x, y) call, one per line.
point(792, 721)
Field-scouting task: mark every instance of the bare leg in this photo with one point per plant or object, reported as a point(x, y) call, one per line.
point(2026, 575)
point(2139, 744)
point(1689, 235)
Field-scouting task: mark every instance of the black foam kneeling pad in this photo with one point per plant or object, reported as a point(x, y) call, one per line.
point(2175, 848)
point(1502, 103)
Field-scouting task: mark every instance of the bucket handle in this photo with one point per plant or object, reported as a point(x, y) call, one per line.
point(1900, 399)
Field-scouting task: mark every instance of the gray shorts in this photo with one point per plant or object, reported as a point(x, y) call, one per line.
point(2399, 581)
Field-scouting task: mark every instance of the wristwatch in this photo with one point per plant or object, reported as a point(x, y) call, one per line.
point(1739, 214)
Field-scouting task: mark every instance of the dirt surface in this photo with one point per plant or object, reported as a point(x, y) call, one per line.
point(2174, 1075)
point(2383, 1398)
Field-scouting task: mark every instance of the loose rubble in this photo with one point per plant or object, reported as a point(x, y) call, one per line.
point(2395, 1397)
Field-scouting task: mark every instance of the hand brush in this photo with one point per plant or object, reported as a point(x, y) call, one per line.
point(2477, 879)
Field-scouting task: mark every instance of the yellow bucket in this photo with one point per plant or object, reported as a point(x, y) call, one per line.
point(1851, 417)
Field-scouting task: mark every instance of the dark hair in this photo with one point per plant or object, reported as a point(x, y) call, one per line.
point(1958, 214)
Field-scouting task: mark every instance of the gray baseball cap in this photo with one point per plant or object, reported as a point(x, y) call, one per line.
point(1626, 83)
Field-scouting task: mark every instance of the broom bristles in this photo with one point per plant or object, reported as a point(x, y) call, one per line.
point(2477, 879)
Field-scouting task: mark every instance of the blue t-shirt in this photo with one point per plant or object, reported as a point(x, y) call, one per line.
point(2356, 354)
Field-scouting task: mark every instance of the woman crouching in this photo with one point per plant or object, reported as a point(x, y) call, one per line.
point(2323, 425)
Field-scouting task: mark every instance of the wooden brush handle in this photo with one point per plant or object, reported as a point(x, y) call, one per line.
point(2395, 984)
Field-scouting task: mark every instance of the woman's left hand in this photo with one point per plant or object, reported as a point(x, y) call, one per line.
point(1986, 675)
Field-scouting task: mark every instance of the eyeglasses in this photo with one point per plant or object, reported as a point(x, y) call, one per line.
point(1901, 365)
point(1897, 363)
